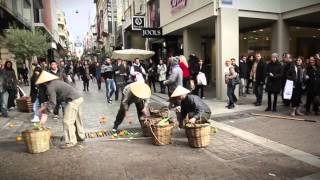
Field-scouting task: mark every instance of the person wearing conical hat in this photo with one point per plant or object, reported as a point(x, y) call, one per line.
point(138, 93)
point(191, 105)
point(72, 121)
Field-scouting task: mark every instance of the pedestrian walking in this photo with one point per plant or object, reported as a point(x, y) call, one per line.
point(85, 76)
point(176, 75)
point(108, 75)
point(55, 70)
point(3, 93)
point(138, 93)
point(296, 73)
point(274, 81)
point(121, 77)
point(234, 63)
point(162, 71)
point(25, 73)
point(243, 75)
point(230, 80)
point(72, 120)
point(258, 77)
point(98, 75)
point(152, 74)
point(12, 83)
point(312, 85)
point(185, 72)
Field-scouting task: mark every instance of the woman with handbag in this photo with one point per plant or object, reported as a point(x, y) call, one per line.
point(230, 80)
point(162, 71)
point(201, 79)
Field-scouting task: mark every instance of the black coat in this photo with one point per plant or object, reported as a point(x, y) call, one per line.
point(37, 90)
point(292, 75)
point(274, 83)
point(260, 72)
point(313, 83)
point(243, 69)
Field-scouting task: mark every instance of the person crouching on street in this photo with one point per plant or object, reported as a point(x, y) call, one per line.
point(191, 105)
point(138, 93)
point(72, 121)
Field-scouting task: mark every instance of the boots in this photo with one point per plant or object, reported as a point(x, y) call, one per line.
point(293, 111)
point(298, 111)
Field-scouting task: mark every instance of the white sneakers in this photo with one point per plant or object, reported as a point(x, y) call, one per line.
point(35, 119)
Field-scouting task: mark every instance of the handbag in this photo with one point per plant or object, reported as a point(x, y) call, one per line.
point(288, 89)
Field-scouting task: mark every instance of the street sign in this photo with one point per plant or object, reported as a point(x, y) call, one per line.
point(152, 32)
point(138, 22)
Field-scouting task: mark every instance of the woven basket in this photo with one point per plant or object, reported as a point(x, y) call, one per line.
point(199, 135)
point(37, 141)
point(24, 104)
point(161, 135)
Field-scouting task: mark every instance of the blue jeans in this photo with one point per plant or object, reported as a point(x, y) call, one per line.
point(110, 87)
point(230, 94)
point(3, 103)
point(35, 107)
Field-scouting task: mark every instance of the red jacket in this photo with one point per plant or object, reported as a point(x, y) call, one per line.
point(185, 70)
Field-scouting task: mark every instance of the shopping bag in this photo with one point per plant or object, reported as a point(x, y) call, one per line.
point(288, 89)
point(201, 79)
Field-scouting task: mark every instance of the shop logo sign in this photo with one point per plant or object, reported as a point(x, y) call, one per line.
point(138, 22)
point(177, 5)
point(152, 32)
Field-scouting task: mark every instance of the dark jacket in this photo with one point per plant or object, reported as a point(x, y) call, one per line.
point(3, 81)
point(292, 75)
point(37, 90)
point(286, 67)
point(193, 106)
point(313, 83)
point(11, 80)
point(260, 72)
point(243, 69)
point(274, 83)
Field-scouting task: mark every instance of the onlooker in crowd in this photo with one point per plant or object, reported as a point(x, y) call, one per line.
point(243, 74)
point(108, 75)
point(312, 85)
point(296, 73)
point(56, 71)
point(24, 73)
point(258, 77)
point(152, 74)
point(176, 76)
point(287, 63)
point(230, 78)
point(162, 70)
point(194, 70)
point(137, 71)
point(274, 81)
point(63, 72)
point(85, 76)
point(76, 70)
point(121, 77)
point(98, 75)
point(185, 71)
point(201, 79)
point(233, 63)
point(250, 62)
point(11, 84)
point(3, 93)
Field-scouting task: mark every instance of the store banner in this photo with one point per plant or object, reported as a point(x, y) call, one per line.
point(138, 22)
point(152, 32)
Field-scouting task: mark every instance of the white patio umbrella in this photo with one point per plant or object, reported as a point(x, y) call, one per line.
point(130, 54)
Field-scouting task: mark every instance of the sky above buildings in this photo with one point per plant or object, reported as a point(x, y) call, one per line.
point(78, 23)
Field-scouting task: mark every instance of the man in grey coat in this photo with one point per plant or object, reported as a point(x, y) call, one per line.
point(175, 78)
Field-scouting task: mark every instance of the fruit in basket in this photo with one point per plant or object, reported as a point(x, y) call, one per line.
point(164, 122)
point(19, 138)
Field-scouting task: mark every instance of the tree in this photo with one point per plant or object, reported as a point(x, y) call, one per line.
point(25, 44)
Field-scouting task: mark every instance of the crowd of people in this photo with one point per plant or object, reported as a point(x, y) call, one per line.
point(292, 78)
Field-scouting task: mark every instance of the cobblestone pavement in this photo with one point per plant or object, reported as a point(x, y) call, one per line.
point(227, 157)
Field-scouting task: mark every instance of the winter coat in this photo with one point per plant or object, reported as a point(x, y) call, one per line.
point(274, 83)
point(3, 83)
point(11, 80)
point(260, 72)
point(185, 70)
point(313, 83)
point(162, 70)
point(37, 90)
point(243, 69)
point(292, 75)
point(175, 78)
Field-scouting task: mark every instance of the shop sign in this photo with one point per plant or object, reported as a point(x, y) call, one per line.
point(152, 32)
point(177, 5)
point(138, 22)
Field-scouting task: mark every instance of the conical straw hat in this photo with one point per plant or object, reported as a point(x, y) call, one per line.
point(179, 91)
point(140, 90)
point(46, 77)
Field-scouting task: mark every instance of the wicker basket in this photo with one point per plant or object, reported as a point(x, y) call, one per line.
point(199, 135)
point(37, 141)
point(145, 128)
point(24, 104)
point(161, 135)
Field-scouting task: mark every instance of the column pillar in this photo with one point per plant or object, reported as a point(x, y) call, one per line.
point(191, 42)
point(227, 45)
point(280, 37)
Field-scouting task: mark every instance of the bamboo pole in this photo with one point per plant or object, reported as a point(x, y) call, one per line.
point(283, 117)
